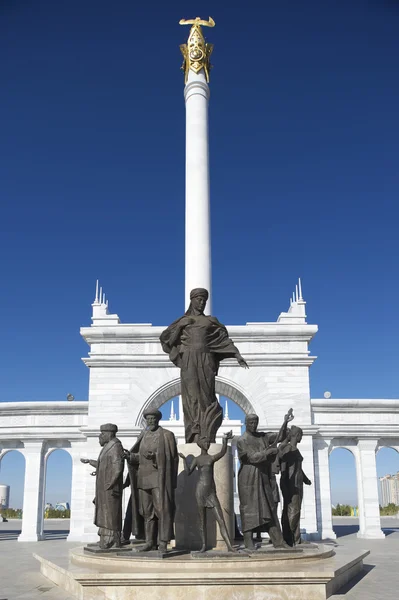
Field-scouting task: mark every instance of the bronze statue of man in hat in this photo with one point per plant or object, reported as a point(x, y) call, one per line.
point(109, 486)
point(197, 343)
point(155, 453)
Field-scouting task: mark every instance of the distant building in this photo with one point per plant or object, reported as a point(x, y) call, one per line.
point(62, 506)
point(389, 489)
point(4, 495)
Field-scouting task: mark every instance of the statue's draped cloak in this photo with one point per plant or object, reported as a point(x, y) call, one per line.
point(257, 502)
point(197, 350)
point(137, 528)
point(108, 503)
point(167, 461)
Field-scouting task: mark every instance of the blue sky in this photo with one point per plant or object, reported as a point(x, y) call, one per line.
point(304, 139)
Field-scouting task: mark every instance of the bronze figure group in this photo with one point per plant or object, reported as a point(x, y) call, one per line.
point(197, 343)
point(262, 457)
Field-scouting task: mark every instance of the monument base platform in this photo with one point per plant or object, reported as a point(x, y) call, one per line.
point(315, 575)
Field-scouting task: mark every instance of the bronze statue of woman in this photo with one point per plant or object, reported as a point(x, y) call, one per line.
point(205, 492)
point(196, 343)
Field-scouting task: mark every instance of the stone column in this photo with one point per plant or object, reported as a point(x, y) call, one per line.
point(33, 506)
point(187, 519)
point(91, 450)
point(367, 488)
point(79, 471)
point(322, 484)
point(198, 242)
point(308, 510)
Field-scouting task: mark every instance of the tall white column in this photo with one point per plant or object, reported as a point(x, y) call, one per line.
point(91, 450)
point(367, 488)
point(323, 488)
point(308, 509)
point(198, 240)
point(79, 472)
point(33, 507)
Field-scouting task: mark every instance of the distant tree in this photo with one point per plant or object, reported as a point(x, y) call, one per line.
point(342, 510)
point(11, 513)
point(53, 513)
point(390, 510)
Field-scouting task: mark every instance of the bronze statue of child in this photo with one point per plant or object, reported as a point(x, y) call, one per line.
point(205, 492)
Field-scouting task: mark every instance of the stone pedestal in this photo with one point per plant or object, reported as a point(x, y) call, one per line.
point(313, 574)
point(187, 519)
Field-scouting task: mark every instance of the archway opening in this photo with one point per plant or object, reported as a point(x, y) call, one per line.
point(172, 411)
point(344, 499)
point(57, 496)
point(12, 474)
point(387, 461)
point(171, 390)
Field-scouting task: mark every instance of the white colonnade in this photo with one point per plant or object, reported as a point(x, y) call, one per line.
point(316, 520)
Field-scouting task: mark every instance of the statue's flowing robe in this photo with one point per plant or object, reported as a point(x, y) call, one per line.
point(257, 501)
point(197, 350)
point(108, 503)
point(167, 461)
point(132, 512)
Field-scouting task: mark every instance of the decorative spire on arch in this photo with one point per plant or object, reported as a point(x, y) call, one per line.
point(296, 311)
point(100, 296)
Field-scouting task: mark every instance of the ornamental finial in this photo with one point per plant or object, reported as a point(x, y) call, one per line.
point(196, 53)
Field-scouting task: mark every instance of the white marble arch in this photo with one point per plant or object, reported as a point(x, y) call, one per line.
point(4, 451)
point(388, 443)
point(224, 387)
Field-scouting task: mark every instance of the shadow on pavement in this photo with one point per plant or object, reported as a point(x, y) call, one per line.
point(342, 530)
point(9, 534)
point(389, 530)
point(49, 534)
point(55, 534)
point(348, 586)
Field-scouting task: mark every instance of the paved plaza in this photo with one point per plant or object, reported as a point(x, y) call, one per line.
point(20, 578)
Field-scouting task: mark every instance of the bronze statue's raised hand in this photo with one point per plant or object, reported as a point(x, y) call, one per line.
point(228, 436)
point(242, 362)
point(289, 416)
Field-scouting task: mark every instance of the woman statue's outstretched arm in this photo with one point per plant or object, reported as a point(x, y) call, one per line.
point(226, 437)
